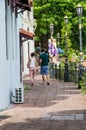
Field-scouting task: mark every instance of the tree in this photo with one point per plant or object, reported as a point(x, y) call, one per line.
point(47, 11)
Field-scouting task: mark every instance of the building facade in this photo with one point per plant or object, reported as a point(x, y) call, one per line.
point(11, 38)
point(28, 45)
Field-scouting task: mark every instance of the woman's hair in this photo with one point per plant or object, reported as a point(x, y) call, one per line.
point(32, 54)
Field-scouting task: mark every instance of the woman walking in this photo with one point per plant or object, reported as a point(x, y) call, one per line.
point(32, 67)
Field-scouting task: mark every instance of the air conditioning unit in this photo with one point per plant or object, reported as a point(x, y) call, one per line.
point(19, 95)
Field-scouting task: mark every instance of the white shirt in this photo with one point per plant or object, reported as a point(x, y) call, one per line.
point(32, 62)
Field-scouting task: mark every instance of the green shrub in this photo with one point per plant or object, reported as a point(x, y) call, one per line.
point(26, 87)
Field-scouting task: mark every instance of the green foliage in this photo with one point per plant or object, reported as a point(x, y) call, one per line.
point(84, 57)
point(83, 83)
point(71, 54)
point(26, 87)
point(47, 11)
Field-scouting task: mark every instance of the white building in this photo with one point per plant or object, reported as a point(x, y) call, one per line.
point(28, 45)
point(11, 39)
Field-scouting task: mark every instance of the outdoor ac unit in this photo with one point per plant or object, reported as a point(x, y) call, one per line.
point(19, 95)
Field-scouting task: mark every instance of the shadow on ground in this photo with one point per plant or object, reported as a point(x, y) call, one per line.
point(49, 124)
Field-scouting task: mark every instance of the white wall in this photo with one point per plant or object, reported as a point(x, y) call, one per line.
point(10, 62)
point(9, 66)
point(27, 23)
point(31, 14)
point(4, 65)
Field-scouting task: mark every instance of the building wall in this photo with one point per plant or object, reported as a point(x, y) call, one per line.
point(9, 54)
point(28, 46)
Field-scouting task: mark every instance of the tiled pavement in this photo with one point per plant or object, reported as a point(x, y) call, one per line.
point(59, 106)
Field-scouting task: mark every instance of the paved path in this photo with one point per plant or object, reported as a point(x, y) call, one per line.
point(59, 106)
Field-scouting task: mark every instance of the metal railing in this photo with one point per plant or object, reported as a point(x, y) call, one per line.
point(57, 72)
point(77, 73)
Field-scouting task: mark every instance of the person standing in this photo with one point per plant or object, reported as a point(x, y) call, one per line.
point(44, 67)
point(32, 67)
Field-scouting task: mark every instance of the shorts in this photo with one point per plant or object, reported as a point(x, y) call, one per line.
point(44, 70)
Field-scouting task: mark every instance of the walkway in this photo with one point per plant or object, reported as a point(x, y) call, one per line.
point(60, 106)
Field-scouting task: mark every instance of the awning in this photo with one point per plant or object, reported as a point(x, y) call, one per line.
point(20, 5)
point(23, 4)
point(26, 35)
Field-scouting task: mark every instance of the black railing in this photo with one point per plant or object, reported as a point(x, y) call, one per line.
point(58, 72)
point(77, 73)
